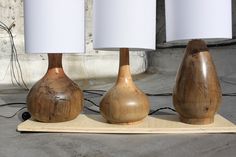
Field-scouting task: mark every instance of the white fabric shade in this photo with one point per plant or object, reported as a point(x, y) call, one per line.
point(54, 26)
point(124, 24)
point(198, 19)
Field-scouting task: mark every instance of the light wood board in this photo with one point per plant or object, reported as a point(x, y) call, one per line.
point(152, 124)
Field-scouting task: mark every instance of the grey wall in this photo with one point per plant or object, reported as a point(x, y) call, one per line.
point(234, 18)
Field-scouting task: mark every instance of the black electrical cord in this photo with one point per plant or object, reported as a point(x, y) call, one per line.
point(10, 104)
point(93, 103)
point(148, 94)
point(11, 116)
point(95, 90)
point(161, 94)
point(91, 109)
point(228, 82)
point(92, 92)
point(15, 67)
point(21, 103)
point(162, 108)
point(229, 94)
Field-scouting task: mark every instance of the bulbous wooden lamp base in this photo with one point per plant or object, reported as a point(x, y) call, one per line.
point(197, 92)
point(55, 98)
point(124, 103)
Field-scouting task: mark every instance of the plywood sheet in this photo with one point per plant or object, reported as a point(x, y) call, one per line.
point(152, 124)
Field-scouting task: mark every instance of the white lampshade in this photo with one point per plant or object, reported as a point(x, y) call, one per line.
point(198, 19)
point(124, 24)
point(54, 26)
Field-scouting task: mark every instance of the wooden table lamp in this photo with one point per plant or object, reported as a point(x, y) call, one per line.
point(123, 25)
point(54, 27)
point(197, 92)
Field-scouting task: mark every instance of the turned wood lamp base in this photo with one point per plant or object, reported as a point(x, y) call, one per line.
point(55, 98)
point(124, 103)
point(197, 92)
point(126, 123)
point(197, 121)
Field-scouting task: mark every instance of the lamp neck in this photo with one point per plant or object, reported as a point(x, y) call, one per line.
point(196, 46)
point(54, 60)
point(124, 57)
point(55, 64)
point(124, 74)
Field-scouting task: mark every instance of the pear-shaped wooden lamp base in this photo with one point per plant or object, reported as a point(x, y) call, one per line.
point(197, 92)
point(124, 103)
point(55, 98)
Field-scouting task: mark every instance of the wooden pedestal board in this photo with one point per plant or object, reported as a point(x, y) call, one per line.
point(168, 124)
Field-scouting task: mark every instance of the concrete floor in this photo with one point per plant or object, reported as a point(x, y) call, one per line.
point(13, 143)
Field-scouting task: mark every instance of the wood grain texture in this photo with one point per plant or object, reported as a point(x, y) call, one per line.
point(197, 92)
point(168, 124)
point(55, 98)
point(124, 103)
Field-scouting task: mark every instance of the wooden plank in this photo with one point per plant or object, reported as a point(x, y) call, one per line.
point(152, 124)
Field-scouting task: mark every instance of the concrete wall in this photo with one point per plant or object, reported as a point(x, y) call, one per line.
point(93, 64)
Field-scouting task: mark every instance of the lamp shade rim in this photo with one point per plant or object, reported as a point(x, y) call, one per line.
point(211, 40)
point(118, 48)
point(54, 52)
